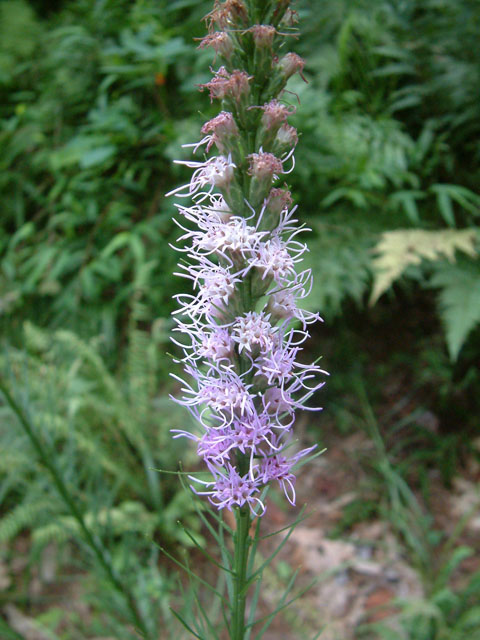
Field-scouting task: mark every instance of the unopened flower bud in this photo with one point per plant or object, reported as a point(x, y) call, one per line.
point(290, 64)
point(275, 114)
point(285, 139)
point(234, 85)
point(227, 15)
point(279, 200)
point(264, 166)
point(290, 18)
point(222, 129)
point(220, 42)
point(263, 35)
point(239, 84)
point(284, 69)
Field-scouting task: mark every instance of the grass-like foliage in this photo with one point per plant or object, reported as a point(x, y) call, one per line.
point(206, 618)
point(81, 449)
point(444, 612)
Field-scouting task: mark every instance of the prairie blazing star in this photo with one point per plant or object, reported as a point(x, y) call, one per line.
point(243, 327)
point(242, 330)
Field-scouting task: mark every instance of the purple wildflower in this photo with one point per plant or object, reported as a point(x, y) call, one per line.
point(242, 330)
point(230, 489)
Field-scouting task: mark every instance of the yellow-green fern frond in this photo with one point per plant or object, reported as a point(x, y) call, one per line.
point(398, 250)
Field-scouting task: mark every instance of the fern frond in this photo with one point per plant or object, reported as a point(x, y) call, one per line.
point(116, 399)
point(98, 456)
point(128, 517)
point(458, 301)
point(398, 250)
point(35, 338)
point(23, 516)
point(60, 531)
point(339, 257)
point(11, 461)
point(90, 355)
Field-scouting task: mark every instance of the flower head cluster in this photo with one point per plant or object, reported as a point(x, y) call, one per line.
point(242, 330)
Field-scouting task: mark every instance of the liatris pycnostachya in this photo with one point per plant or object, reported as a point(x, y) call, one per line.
point(243, 327)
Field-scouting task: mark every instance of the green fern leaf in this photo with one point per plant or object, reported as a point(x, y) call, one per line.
point(23, 516)
point(459, 301)
point(339, 257)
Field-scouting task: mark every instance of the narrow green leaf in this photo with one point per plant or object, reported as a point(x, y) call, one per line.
point(253, 608)
point(205, 552)
point(205, 616)
point(444, 203)
point(282, 605)
point(274, 553)
point(221, 522)
point(190, 573)
point(184, 623)
point(457, 556)
point(300, 518)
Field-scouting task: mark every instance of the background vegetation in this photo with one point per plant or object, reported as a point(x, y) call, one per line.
point(96, 99)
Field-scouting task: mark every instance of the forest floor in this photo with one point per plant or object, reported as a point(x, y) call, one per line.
point(361, 569)
point(391, 503)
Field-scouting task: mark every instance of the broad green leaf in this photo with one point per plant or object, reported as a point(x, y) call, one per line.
point(97, 156)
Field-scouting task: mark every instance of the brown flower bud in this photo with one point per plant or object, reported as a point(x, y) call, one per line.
point(223, 84)
point(220, 42)
point(227, 15)
point(264, 165)
point(290, 64)
point(221, 128)
point(263, 35)
point(275, 114)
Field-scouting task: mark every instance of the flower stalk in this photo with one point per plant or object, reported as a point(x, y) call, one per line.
point(242, 331)
point(242, 546)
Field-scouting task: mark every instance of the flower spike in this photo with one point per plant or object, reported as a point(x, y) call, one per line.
point(243, 329)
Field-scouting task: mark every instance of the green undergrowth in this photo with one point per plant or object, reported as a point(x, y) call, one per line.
point(98, 444)
point(98, 99)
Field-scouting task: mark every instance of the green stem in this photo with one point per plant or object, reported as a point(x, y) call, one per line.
point(242, 543)
point(46, 458)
